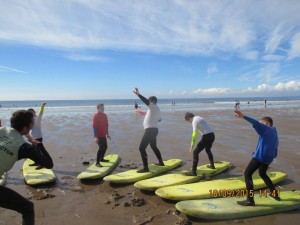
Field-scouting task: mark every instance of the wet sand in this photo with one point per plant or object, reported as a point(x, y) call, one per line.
point(70, 142)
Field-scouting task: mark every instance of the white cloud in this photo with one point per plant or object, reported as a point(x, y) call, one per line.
point(295, 47)
point(177, 27)
point(274, 40)
point(290, 86)
point(273, 58)
point(8, 69)
point(250, 55)
point(80, 57)
point(212, 68)
point(212, 91)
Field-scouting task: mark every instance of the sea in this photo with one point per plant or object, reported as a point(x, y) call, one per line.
point(116, 106)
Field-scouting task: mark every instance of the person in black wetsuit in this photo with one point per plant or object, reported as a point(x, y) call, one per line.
point(13, 148)
point(150, 124)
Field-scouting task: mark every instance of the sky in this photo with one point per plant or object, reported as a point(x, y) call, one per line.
point(99, 49)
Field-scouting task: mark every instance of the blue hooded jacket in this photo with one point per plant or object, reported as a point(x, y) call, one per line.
point(267, 146)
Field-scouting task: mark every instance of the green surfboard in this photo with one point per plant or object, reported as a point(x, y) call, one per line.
point(207, 189)
point(227, 208)
point(94, 172)
point(37, 177)
point(131, 176)
point(180, 178)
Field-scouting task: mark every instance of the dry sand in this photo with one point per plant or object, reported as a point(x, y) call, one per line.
point(69, 140)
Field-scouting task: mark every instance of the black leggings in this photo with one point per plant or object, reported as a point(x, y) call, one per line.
point(149, 138)
point(102, 143)
point(10, 199)
point(253, 165)
point(206, 143)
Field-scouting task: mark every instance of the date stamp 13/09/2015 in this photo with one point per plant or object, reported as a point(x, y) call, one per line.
point(240, 193)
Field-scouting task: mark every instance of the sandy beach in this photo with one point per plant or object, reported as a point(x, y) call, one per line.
point(69, 140)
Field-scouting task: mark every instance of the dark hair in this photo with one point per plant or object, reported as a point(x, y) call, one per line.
point(268, 119)
point(152, 99)
point(188, 115)
point(21, 119)
point(99, 105)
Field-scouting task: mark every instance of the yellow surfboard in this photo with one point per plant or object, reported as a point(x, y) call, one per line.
point(131, 176)
point(180, 178)
point(227, 208)
point(210, 189)
point(94, 172)
point(36, 177)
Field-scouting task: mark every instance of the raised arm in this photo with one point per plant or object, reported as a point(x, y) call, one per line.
point(145, 100)
point(259, 127)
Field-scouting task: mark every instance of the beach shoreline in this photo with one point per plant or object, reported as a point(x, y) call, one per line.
point(68, 138)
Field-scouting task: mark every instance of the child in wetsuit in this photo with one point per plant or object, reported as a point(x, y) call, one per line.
point(266, 151)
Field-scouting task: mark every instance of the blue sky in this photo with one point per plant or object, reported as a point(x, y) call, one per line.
point(99, 49)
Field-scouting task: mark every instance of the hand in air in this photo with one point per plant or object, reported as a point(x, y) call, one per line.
point(136, 91)
point(238, 113)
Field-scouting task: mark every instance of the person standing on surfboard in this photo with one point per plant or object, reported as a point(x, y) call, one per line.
point(13, 148)
point(36, 131)
point(153, 116)
point(100, 126)
point(266, 151)
point(201, 126)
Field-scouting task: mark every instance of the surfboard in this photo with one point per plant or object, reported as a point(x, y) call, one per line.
point(207, 189)
point(131, 176)
point(37, 177)
point(227, 208)
point(180, 178)
point(3, 179)
point(140, 111)
point(94, 172)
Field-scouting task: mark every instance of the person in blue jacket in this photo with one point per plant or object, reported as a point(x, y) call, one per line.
point(266, 151)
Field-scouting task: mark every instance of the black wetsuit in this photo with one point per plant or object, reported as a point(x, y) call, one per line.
point(149, 137)
point(12, 200)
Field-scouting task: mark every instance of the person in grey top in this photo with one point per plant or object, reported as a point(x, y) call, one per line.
point(153, 116)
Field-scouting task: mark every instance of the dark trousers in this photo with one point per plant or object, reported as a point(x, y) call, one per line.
point(10, 199)
point(149, 138)
point(102, 143)
point(253, 165)
point(206, 143)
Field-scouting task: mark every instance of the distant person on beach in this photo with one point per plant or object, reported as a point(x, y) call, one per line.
point(100, 126)
point(200, 126)
point(237, 104)
point(266, 151)
point(136, 106)
point(265, 103)
point(36, 131)
point(153, 116)
point(13, 148)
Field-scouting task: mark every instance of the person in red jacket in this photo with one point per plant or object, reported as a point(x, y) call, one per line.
point(100, 126)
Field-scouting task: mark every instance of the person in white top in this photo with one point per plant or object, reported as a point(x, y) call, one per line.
point(153, 116)
point(36, 131)
point(200, 126)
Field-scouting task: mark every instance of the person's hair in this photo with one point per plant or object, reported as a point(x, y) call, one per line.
point(268, 119)
point(152, 99)
point(31, 110)
point(188, 115)
point(99, 105)
point(21, 119)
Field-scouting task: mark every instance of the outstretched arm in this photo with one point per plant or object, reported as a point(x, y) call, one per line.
point(38, 153)
point(145, 100)
point(259, 127)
